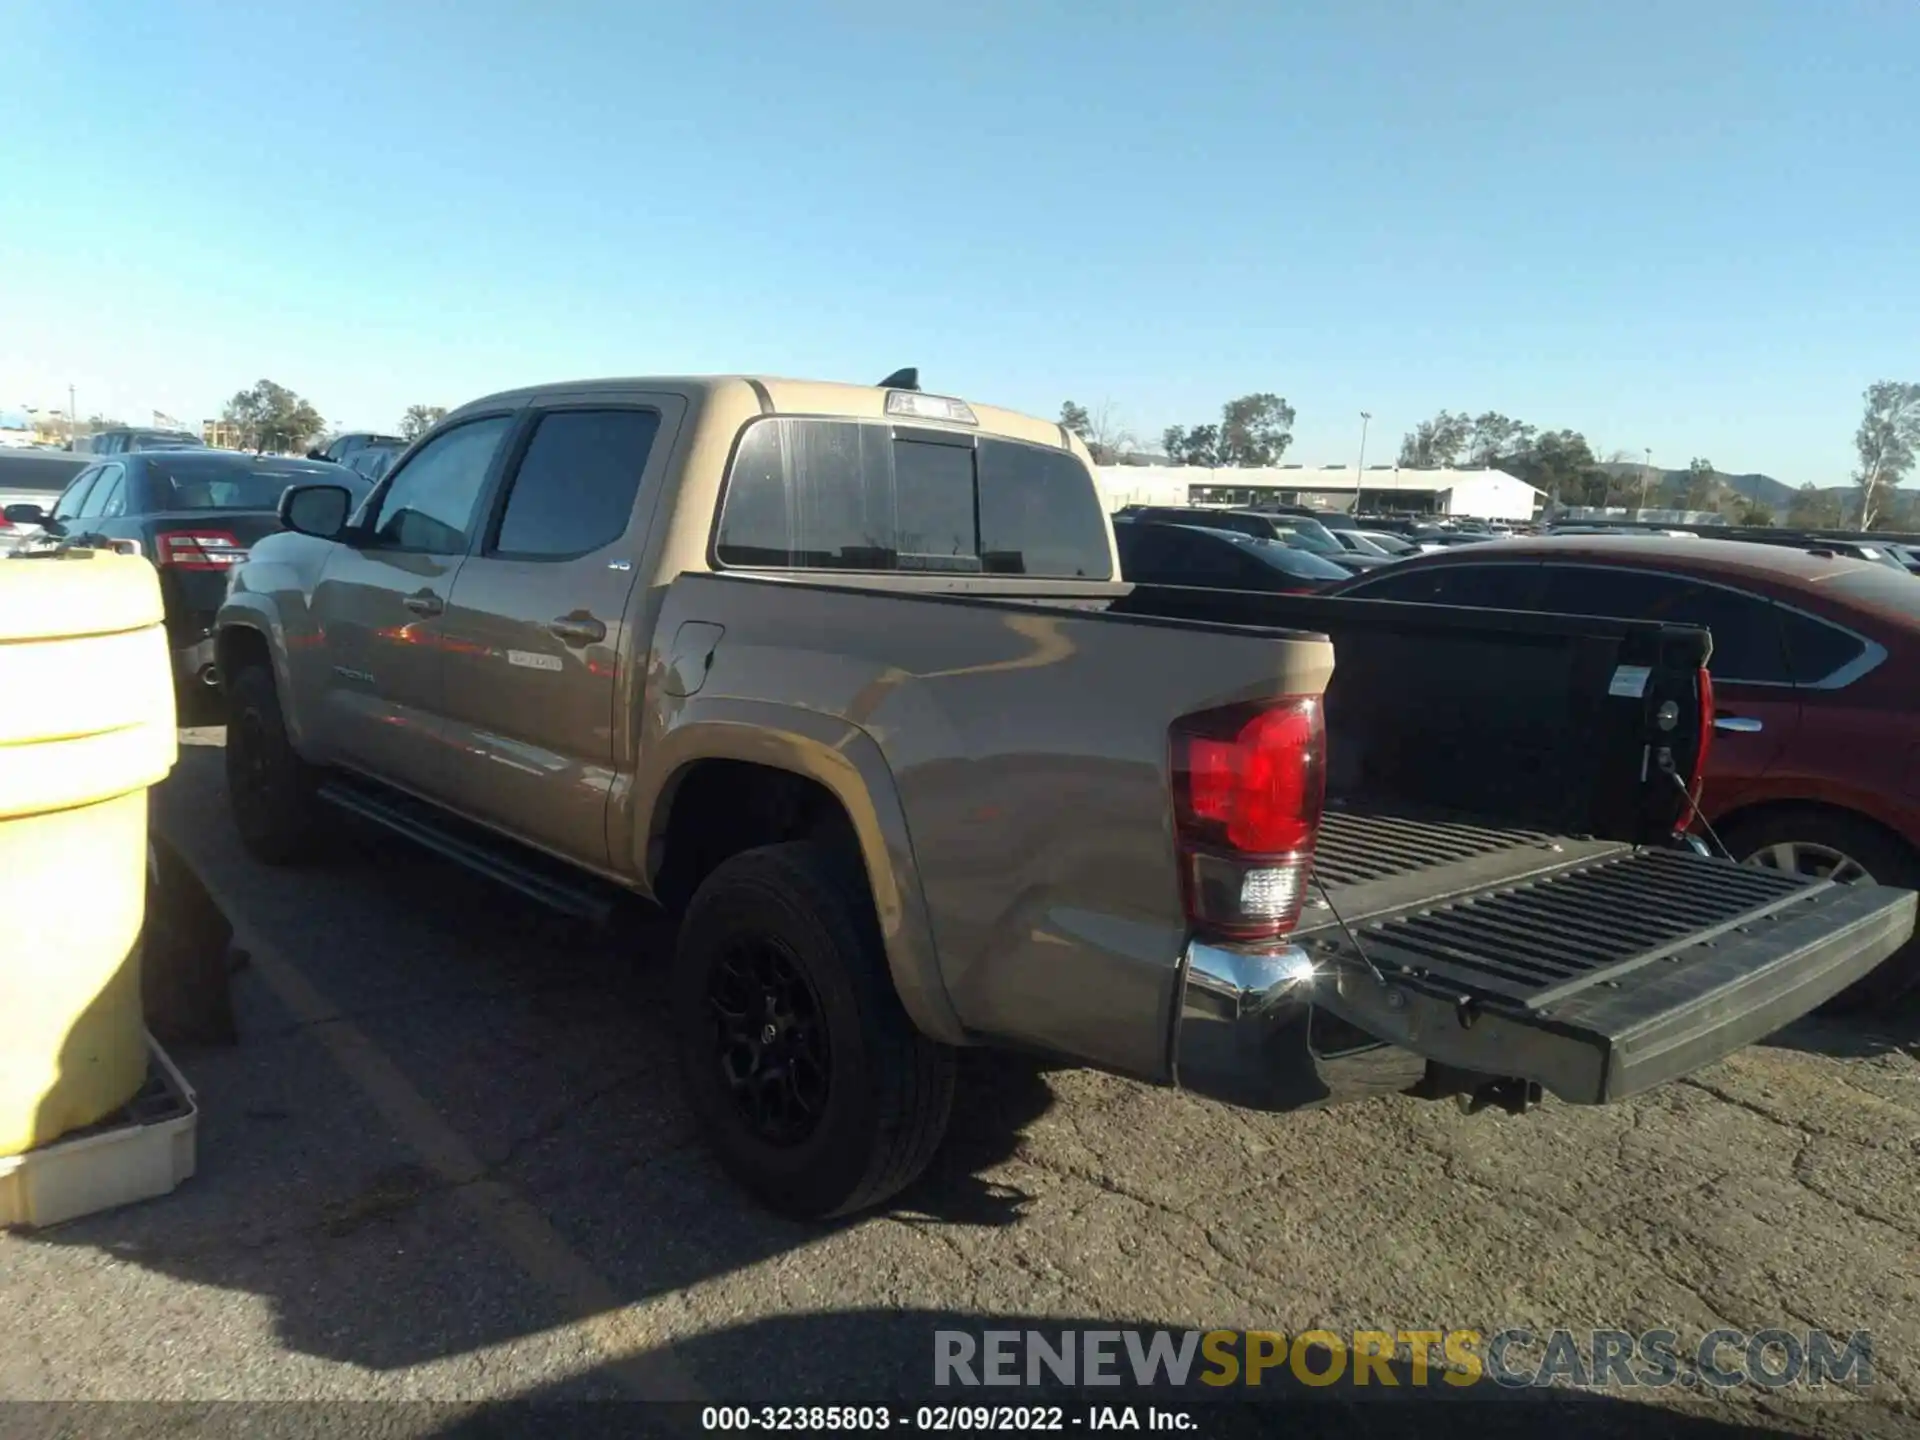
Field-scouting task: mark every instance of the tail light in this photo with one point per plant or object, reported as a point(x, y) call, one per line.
point(1697, 781)
point(199, 549)
point(1249, 782)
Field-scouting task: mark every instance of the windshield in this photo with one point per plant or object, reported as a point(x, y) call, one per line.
point(1303, 564)
point(1359, 544)
point(1307, 534)
point(14, 420)
point(1389, 544)
point(206, 482)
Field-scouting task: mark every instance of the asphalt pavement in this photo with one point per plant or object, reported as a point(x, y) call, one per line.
point(447, 1162)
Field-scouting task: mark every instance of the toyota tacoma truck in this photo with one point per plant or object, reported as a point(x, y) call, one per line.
point(847, 678)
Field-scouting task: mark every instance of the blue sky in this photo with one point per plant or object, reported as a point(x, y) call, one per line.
point(1690, 227)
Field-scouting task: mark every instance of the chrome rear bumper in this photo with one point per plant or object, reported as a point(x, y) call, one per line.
point(1231, 1008)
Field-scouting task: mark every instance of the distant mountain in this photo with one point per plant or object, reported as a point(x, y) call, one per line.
point(1671, 485)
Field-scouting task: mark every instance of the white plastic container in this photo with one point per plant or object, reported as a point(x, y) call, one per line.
point(86, 727)
point(145, 1150)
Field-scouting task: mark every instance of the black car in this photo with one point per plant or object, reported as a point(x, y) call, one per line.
point(193, 513)
point(1358, 538)
point(1152, 553)
point(342, 446)
point(127, 441)
point(1297, 529)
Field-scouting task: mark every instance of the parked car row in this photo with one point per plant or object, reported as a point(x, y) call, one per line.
point(194, 511)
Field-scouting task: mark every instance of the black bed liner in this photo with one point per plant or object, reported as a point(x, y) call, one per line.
point(1596, 968)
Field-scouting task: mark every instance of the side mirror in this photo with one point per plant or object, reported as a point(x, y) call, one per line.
point(319, 510)
point(28, 514)
point(316, 454)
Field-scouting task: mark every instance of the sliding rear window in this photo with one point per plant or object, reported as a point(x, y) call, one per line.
point(856, 495)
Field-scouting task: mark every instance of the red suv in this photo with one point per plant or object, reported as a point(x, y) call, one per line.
point(1815, 765)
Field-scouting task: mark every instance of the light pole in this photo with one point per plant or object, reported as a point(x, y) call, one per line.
point(1646, 474)
point(1360, 470)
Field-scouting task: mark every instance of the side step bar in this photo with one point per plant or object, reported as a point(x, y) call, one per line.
point(537, 876)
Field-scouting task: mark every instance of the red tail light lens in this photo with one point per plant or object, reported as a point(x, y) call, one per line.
point(199, 549)
point(1249, 783)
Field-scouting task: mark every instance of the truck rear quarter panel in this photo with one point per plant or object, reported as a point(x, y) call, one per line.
point(1026, 752)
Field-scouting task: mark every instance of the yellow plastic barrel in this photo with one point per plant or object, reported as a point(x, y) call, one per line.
point(86, 727)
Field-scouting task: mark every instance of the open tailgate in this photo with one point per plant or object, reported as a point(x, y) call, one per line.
point(1610, 974)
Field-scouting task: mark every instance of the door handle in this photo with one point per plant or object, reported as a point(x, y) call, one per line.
point(1737, 724)
point(577, 629)
point(424, 602)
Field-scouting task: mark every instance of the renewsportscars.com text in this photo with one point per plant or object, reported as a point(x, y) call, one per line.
point(1771, 1359)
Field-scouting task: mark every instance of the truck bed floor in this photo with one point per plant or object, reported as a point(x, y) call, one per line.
point(1374, 859)
point(1520, 914)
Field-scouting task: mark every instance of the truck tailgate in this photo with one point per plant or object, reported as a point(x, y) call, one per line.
point(1596, 970)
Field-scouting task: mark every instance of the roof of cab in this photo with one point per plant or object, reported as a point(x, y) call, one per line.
point(803, 397)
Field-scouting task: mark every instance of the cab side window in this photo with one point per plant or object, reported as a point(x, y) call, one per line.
point(433, 502)
point(107, 498)
point(574, 489)
point(74, 496)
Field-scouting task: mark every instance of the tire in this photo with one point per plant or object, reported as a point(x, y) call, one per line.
point(270, 789)
point(785, 935)
point(1885, 861)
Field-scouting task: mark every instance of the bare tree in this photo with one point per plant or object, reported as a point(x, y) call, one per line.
point(1889, 434)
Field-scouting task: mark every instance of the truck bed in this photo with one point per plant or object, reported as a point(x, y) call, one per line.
point(1502, 891)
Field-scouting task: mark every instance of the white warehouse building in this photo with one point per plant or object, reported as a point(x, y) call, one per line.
point(1484, 494)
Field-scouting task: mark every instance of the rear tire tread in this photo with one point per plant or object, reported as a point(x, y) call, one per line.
point(912, 1076)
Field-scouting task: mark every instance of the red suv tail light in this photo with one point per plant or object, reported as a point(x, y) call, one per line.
point(1249, 782)
point(199, 549)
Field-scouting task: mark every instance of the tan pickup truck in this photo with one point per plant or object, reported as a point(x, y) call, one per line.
point(847, 678)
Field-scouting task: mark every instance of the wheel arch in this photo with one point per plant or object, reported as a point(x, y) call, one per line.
point(774, 773)
point(1761, 811)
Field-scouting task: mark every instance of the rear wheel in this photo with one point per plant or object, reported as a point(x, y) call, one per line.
point(1829, 845)
point(269, 787)
point(810, 1082)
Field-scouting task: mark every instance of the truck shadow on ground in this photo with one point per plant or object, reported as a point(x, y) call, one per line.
point(873, 1357)
point(538, 1045)
point(1893, 1031)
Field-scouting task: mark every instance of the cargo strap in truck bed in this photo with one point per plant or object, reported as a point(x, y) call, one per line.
point(1597, 969)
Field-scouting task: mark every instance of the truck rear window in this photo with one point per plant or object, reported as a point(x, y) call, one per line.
point(854, 495)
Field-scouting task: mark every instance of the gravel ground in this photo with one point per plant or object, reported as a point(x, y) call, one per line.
point(447, 1163)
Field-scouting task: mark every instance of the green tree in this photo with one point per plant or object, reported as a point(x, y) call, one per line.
point(1496, 441)
point(1254, 430)
point(268, 416)
point(1755, 512)
point(1195, 445)
point(421, 418)
point(1889, 434)
point(1703, 485)
point(1075, 419)
point(1436, 442)
point(1561, 462)
point(1815, 509)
